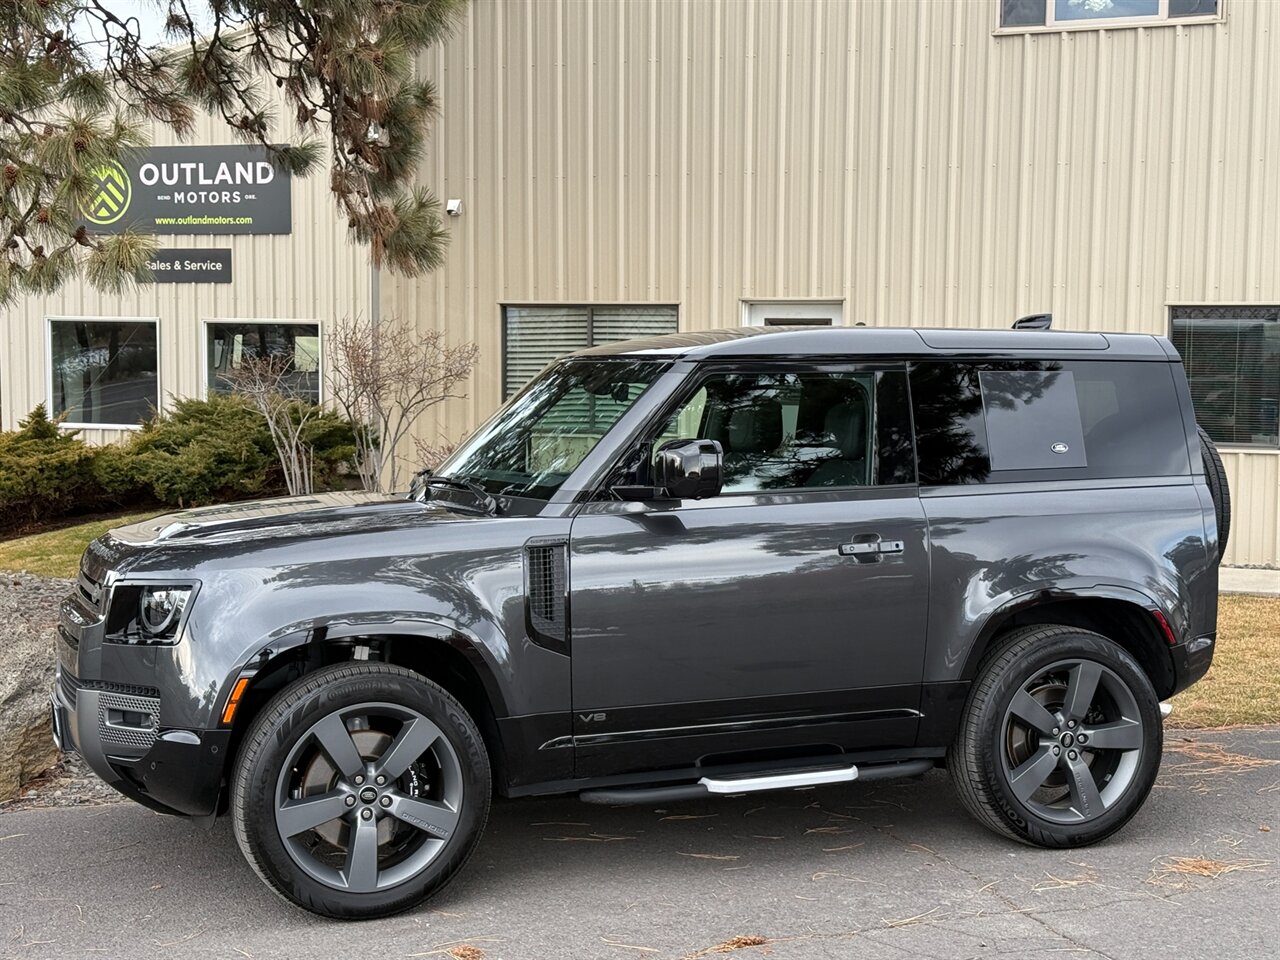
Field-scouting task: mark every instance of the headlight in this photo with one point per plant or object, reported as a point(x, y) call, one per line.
point(160, 610)
point(144, 613)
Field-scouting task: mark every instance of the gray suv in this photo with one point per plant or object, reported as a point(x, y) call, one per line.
point(701, 564)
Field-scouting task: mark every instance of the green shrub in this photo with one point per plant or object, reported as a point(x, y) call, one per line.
point(208, 451)
point(203, 451)
point(44, 472)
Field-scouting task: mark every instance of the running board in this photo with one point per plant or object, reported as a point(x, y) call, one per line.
point(779, 781)
point(734, 786)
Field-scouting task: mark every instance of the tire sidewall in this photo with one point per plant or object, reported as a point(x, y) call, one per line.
point(287, 719)
point(1035, 659)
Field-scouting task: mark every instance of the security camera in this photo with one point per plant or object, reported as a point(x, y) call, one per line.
point(453, 207)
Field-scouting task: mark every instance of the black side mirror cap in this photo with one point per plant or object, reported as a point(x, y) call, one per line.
point(689, 469)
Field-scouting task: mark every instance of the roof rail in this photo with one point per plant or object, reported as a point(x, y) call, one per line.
point(1034, 321)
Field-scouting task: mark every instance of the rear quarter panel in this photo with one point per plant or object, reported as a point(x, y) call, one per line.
point(1001, 544)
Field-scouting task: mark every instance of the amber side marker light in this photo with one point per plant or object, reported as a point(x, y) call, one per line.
point(229, 711)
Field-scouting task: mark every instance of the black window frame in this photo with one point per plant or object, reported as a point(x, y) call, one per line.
point(590, 308)
point(1265, 312)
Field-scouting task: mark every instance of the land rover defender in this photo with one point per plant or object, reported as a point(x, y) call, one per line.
point(694, 565)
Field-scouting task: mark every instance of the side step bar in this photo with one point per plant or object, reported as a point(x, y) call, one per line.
point(733, 786)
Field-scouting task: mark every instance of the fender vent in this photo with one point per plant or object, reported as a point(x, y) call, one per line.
point(546, 586)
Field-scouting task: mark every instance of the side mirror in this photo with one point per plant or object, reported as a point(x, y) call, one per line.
point(688, 469)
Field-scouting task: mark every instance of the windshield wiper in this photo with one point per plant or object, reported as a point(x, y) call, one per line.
point(489, 504)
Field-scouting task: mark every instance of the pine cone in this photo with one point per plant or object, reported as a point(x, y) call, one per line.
point(43, 215)
point(10, 174)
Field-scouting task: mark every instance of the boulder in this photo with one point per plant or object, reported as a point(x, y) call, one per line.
point(28, 616)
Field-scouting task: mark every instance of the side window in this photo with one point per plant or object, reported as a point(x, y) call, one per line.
point(1000, 422)
point(1033, 419)
point(785, 430)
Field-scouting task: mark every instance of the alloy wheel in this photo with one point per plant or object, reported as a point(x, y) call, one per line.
point(1071, 742)
point(368, 797)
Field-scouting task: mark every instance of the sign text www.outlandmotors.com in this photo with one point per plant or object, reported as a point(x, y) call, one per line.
point(185, 190)
point(190, 265)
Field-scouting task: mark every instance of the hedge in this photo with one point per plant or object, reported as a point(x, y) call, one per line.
point(200, 452)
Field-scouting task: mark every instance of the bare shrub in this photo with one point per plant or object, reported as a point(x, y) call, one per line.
point(263, 381)
point(385, 376)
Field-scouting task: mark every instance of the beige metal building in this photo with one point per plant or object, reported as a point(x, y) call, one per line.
point(631, 166)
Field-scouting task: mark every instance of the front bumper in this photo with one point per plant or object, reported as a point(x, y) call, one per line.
point(172, 771)
point(120, 708)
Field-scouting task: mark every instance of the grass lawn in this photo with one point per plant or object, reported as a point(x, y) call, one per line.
point(56, 553)
point(1242, 686)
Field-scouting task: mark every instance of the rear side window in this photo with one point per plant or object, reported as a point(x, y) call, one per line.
point(1033, 419)
point(1036, 420)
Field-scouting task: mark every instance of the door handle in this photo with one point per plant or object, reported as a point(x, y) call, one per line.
point(870, 549)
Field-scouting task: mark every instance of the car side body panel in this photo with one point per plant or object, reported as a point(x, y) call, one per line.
point(1000, 547)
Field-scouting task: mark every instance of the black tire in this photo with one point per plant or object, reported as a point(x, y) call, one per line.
point(286, 730)
point(983, 769)
point(1215, 476)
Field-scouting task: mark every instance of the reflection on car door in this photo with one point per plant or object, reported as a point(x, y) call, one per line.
point(787, 614)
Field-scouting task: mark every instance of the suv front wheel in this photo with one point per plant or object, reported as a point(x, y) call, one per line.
point(1061, 739)
point(360, 790)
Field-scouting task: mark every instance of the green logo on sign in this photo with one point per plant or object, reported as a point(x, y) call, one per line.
point(109, 194)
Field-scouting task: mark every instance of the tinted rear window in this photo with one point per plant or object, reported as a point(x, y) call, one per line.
point(1035, 420)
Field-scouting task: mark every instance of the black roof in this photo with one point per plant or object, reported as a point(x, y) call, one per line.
point(794, 342)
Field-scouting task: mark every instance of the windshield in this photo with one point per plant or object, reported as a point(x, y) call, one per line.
point(539, 438)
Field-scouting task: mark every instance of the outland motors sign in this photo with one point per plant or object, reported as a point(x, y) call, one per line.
point(185, 190)
point(189, 265)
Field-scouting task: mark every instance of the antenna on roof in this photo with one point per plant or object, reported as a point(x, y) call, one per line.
point(1034, 321)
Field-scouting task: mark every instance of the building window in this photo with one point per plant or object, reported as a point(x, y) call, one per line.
point(534, 336)
point(103, 372)
point(1232, 359)
point(229, 343)
point(1103, 13)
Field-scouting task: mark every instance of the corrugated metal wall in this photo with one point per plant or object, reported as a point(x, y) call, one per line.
point(889, 154)
point(895, 155)
point(313, 274)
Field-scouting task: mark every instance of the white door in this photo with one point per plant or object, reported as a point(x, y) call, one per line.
point(792, 313)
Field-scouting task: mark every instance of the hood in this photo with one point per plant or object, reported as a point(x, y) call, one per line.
point(333, 511)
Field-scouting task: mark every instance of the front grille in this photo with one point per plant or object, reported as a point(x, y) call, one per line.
point(124, 689)
point(128, 721)
point(90, 591)
point(69, 686)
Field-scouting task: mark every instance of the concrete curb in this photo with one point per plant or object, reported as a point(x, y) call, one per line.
point(1249, 580)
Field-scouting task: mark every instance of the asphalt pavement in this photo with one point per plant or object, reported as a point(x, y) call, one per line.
point(868, 871)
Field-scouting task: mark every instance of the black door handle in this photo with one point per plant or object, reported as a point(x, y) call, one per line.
point(871, 549)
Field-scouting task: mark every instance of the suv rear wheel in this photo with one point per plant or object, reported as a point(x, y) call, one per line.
point(360, 790)
point(1061, 739)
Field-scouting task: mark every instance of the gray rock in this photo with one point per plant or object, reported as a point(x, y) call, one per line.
point(28, 615)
